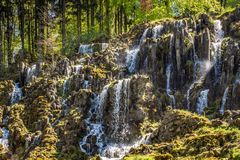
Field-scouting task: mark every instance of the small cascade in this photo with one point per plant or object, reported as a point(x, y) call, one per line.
point(94, 124)
point(15, 98)
point(202, 68)
point(118, 151)
point(168, 88)
point(224, 100)
point(121, 105)
point(77, 68)
point(219, 35)
point(168, 74)
point(132, 54)
point(91, 48)
point(65, 87)
point(16, 94)
point(31, 72)
point(202, 101)
point(4, 138)
point(85, 48)
point(115, 145)
point(157, 31)
point(131, 59)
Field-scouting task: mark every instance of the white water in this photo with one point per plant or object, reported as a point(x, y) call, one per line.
point(168, 88)
point(16, 94)
point(168, 74)
point(31, 72)
point(94, 124)
point(202, 102)
point(15, 98)
point(118, 151)
point(157, 31)
point(88, 48)
point(65, 86)
point(219, 35)
point(77, 68)
point(85, 48)
point(131, 59)
point(116, 145)
point(120, 127)
point(4, 139)
point(132, 54)
point(202, 68)
point(224, 100)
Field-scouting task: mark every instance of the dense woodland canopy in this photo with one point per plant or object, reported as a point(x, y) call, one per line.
point(34, 29)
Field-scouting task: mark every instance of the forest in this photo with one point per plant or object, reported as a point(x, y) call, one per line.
point(119, 79)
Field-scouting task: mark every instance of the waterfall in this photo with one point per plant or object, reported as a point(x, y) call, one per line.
point(65, 86)
point(31, 72)
point(168, 88)
point(94, 124)
point(224, 100)
point(202, 68)
point(15, 98)
point(90, 48)
point(4, 138)
point(85, 48)
point(16, 94)
point(202, 101)
point(131, 59)
point(115, 145)
point(157, 31)
point(119, 125)
point(132, 54)
point(77, 68)
point(219, 35)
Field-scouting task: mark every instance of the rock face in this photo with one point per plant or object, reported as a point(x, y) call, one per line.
point(112, 99)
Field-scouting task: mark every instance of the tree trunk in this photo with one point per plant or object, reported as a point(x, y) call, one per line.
point(88, 23)
point(108, 31)
point(21, 13)
point(63, 25)
point(125, 21)
point(101, 16)
point(29, 31)
point(41, 25)
point(9, 33)
point(92, 12)
point(79, 19)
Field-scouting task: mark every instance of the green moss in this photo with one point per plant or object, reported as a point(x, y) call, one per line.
point(140, 157)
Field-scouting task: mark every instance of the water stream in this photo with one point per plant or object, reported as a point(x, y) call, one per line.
point(224, 100)
point(202, 102)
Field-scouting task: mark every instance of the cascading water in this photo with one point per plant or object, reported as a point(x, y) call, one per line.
point(115, 145)
point(120, 122)
point(202, 101)
point(219, 35)
point(132, 54)
point(4, 138)
point(16, 94)
point(202, 68)
point(224, 100)
point(90, 48)
point(157, 31)
point(31, 72)
point(94, 124)
point(77, 68)
point(132, 58)
point(168, 88)
point(85, 48)
point(169, 72)
point(15, 98)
